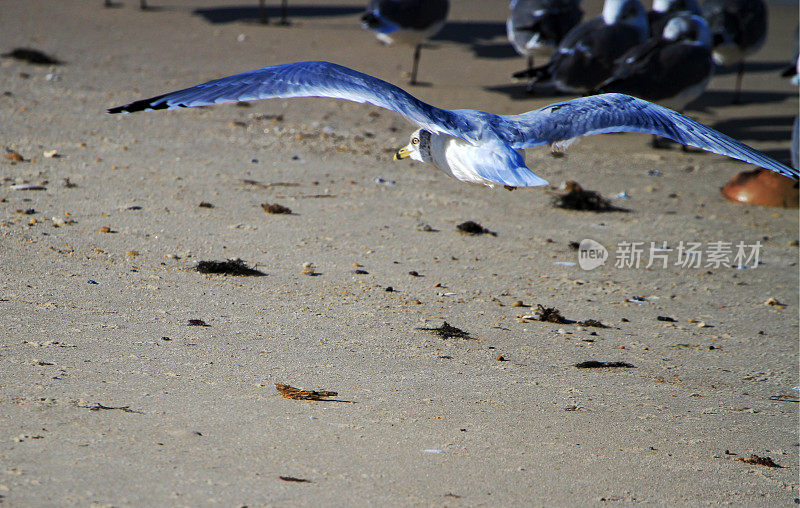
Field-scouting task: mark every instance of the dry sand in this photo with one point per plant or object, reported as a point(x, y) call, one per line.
point(93, 320)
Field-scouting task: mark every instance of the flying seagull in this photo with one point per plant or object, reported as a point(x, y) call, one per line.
point(408, 21)
point(472, 146)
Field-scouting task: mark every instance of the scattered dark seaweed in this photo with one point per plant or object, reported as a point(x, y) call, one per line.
point(473, 228)
point(290, 392)
point(582, 200)
point(228, 267)
point(446, 331)
point(594, 364)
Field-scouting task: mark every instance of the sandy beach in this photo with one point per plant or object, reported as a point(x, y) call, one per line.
point(109, 397)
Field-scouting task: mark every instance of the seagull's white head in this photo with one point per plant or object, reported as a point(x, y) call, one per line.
point(664, 6)
point(418, 149)
point(689, 28)
point(629, 12)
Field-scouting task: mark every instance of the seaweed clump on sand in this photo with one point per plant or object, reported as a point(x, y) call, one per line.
point(577, 198)
point(594, 364)
point(471, 227)
point(290, 392)
point(228, 267)
point(551, 315)
point(447, 331)
point(275, 208)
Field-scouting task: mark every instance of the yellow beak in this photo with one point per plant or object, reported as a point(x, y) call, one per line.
point(403, 153)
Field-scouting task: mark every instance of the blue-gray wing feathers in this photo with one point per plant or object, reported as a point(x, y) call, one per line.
point(606, 113)
point(309, 79)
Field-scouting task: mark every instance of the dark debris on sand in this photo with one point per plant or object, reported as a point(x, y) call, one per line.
point(227, 267)
point(446, 331)
point(594, 364)
point(33, 56)
point(290, 392)
point(197, 322)
point(96, 406)
point(551, 315)
point(592, 323)
point(582, 200)
point(760, 461)
point(473, 228)
point(275, 208)
point(293, 479)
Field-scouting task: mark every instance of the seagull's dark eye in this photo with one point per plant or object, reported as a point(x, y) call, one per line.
point(415, 141)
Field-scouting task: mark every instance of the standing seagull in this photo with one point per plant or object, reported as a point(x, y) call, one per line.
point(408, 21)
point(472, 146)
point(738, 29)
point(585, 58)
point(671, 70)
point(536, 27)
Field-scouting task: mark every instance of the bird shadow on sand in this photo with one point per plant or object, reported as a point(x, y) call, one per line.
point(760, 128)
point(752, 68)
point(251, 13)
point(470, 32)
point(149, 8)
point(519, 92)
point(780, 155)
point(481, 36)
point(724, 98)
point(496, 50)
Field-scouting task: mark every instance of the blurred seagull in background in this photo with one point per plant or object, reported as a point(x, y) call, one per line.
point(671, 70)
point(407, 21)
point(536, 27)
point(142, 4)
point(793, 69)
point(738, 29)
point(664, 10)
point(262, 12)
point(472, 146)
point(585, 58)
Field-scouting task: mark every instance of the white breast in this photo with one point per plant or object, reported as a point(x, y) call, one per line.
point(457, 158)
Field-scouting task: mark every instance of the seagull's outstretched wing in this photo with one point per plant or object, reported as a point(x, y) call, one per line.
point(600, 114)
point(310, 79)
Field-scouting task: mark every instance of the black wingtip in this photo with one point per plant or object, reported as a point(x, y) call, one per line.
point(142, 105)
